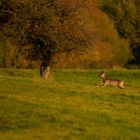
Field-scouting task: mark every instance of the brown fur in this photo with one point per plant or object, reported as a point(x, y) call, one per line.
point(109, 82)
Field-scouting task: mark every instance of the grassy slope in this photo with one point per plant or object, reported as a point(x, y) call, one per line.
point(69, 106)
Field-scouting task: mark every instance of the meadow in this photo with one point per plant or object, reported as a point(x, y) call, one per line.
point(68, 106)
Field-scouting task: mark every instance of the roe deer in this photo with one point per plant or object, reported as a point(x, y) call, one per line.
point(111, 82)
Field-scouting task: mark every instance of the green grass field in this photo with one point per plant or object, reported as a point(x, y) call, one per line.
point(69, 106)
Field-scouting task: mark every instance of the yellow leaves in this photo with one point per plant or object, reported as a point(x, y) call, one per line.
point(79, 24)
point(96, 55)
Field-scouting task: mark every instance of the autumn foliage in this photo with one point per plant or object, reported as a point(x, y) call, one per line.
point(75, 33)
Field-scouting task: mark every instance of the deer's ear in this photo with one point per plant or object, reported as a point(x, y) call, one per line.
point(102, 72)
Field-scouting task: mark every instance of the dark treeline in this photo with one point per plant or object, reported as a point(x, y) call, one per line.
point(126, 16)
point(70, 33)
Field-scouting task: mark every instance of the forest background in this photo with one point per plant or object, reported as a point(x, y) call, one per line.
point(109, 30)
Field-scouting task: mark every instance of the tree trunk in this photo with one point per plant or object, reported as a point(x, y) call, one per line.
point(44, 70)
point(45, 65)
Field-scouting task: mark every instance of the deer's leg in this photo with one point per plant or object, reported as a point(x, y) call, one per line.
point(121, 85)
point(101, 85)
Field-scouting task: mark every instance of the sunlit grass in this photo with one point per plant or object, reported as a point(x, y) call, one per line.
point(70, 105)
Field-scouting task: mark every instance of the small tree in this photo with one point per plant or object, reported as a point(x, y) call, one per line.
point(46, 27)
